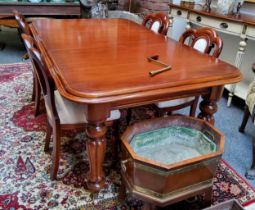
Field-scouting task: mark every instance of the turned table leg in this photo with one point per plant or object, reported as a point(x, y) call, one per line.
point(208, 105)
point(96, 145)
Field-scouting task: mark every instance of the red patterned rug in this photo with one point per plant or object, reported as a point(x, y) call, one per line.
point(24, 167)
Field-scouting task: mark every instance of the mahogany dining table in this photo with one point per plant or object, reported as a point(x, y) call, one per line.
point(103, 64)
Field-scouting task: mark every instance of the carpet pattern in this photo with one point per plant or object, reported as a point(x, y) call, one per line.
point(24, 167)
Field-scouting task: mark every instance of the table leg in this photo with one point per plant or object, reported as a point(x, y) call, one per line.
point(208, 105)
point(96, 146)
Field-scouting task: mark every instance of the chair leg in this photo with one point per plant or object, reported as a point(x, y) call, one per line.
point(37, 97)
point(163, 113)
point(128, 116)
point(250, 174)
point(194, 107)
point(2, 46)
point(245, 119)
point(47, 138)
point(115, 142)
point(33, 91)
point(56, 152)
point(148, 206)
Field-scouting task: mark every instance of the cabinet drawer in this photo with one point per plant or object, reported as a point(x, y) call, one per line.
point(222, 25)
point(179, 13)
point(251, 31)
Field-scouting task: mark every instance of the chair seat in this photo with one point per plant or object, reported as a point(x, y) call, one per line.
point(70, 112)
point(175, 102)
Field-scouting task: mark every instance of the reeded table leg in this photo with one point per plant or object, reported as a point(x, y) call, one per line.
point(96, 146)
point(208, 106)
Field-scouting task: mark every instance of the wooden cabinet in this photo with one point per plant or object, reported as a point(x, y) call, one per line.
point(242, 27)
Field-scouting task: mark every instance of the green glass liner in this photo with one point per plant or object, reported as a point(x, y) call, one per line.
point(172, 144)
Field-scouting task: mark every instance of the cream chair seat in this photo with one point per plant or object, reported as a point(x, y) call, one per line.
point(174, 102)
point(70, 112)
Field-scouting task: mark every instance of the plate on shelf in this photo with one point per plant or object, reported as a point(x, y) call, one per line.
point(57, 1)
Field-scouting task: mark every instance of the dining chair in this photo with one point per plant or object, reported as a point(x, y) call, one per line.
point(23, 25)
point(249, 111)
point(204, 40)
point(158, 22)
point(250, 103)
point(62, 114)
point(24, 29)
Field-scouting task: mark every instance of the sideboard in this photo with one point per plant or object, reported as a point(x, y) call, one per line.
point(242, 26)
point(42, 8)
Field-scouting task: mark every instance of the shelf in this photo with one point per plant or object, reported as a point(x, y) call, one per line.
point(43, 8)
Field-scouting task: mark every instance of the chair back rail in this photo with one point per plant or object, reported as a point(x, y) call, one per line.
point(205, 40)
point(158, 22)
point(23, 25)
point(43, 75)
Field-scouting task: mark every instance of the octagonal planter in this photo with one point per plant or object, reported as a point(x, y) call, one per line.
point(166, 160)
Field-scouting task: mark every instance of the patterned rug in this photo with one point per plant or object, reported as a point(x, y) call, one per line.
point(24, 167)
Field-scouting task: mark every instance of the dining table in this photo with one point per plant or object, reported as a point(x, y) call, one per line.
point(103, 64)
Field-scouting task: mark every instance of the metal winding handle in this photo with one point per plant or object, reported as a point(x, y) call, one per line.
point(154, 59)
point(155, 72)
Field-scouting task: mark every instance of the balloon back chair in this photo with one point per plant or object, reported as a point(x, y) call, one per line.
point(158, 22)
point(24, 29)
point(206, 41)
point(62, 114)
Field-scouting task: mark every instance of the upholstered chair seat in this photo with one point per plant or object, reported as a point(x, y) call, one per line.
point(70, 112)
point(174, 102)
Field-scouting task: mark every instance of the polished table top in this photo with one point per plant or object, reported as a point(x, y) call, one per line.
point(100, 60)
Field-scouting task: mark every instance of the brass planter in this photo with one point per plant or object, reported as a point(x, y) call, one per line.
point(163, 181)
